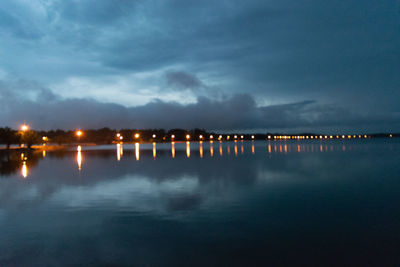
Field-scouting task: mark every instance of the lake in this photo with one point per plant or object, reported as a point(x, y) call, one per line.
point(307, 203)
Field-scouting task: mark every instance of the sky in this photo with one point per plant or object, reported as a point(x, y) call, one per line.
point(255, 65)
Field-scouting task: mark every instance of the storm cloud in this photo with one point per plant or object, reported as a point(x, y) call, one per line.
point(46, 110)
point(308, 64)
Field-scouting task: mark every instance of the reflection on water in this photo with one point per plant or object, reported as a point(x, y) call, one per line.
point(201, 149)
point(24, 170)
point(137, 151)
point(79, 157)
point(120, 151)
point(273, 203)
point(188, 149)
point(173, 149)
point(236, 149)
point(211, 148)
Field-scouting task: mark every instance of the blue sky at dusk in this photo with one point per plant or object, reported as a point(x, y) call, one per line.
point(291, 66)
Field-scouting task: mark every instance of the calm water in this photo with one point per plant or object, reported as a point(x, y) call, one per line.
point(253, 203)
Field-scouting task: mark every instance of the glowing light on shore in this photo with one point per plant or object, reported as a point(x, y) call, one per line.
point(241, 137)
point(201, 137)
point(24, 127)
point(137, 135)
point(390, 135)
point(211, 137)
point(220, 137)
point(24, 170)
point(173, 136)
point(79, 133)
point(269, 137)
point(235, 136)
point(79, 157)
point(154, 136)
point(45, 138)
point(187, 137)
point(137, 151)
point(252, 137)
point(118, 135)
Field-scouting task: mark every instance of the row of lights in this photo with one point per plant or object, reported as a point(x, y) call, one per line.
point(319, 137)
point(79, 133)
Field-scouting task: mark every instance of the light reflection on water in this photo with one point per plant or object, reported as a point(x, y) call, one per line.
point(280, 199)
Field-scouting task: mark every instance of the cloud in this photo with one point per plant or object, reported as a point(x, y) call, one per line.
point(340, 54)
point(183, 80)
point(45, 110)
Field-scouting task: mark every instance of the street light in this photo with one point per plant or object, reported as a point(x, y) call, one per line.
point(79, 133)
point(24, 127)
point(137, 135)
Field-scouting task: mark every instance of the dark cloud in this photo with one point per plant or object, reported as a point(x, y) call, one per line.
point(239, 111)
point(182, 80)
point(341, 54)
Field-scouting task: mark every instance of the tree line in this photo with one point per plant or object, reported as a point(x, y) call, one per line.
point(9, 137)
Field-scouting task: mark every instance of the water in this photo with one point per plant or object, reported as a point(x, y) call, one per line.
point(327, 203)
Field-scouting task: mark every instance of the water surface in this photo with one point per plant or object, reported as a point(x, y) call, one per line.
point(329, 203)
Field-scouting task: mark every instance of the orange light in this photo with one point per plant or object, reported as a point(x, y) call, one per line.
point(241, 136)
point(137, 135)
point(24, 170)
point(118, 135)
point(79, 157)
point(173, 149)
point(79, 133)
point(24, 127)
point(172, 136)
point(137, 151)
point(154, 136)
point(187, 137)
point(200, 137)
point(252, 137)
point(188, 149)
point(211, 137)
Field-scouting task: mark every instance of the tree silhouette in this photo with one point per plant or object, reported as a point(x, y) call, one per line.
point(8, 137)
point(29, 138)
